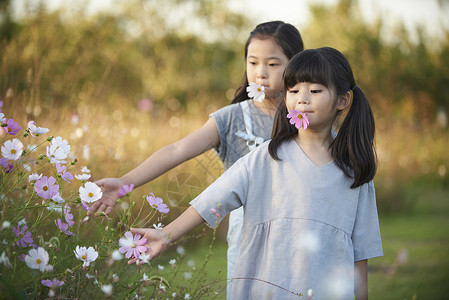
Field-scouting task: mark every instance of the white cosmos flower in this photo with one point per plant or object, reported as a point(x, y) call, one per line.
point(2, 117)
point(158, 226)
point(12, 149)
point(107, 289)
point(34, 130)
point(90, 192)
point(6, 224)
point(172, 262)
point(5, 260)
point(37, 259)
point(87, 255)
point(255, 91)
point(82, 176)
point(58, 150)
point(160, 267)
point(145, 277)
point(116, 255)
point(145, 258)
point(84, 169)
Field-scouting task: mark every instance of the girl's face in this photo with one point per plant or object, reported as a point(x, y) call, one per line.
point(265, 64)
point(319, 102)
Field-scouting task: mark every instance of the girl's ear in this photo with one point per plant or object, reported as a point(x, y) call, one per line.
point(344, 101)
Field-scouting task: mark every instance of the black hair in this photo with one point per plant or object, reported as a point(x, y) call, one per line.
point(353, 148)
point(284, 34)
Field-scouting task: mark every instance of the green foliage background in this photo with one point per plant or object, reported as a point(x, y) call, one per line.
point(56, 64)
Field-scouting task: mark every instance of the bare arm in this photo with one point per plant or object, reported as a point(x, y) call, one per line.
point(361, 279)
point(159, 239)
point(158, 163)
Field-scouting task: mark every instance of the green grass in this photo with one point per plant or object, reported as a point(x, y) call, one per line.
point(423, 232)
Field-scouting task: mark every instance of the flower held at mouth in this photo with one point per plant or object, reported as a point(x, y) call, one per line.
point(256, 91)
point(299, 119)
point(131, 245)
point(157, 203)
point(90, 192)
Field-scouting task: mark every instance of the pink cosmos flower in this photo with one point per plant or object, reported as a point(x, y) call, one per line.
point(132, 246)
point(67, 176)
point(46, 187)
point(63, 227)
point(23, 235)
point(156, 203)
point(7, 166)
point(68, 216)
point(12, 127)
point(124, 190)
point(298, 118)
point(52, 283)
point(85, 206)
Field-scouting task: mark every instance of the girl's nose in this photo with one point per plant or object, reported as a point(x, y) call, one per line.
point(303, 98)
point(262, 72)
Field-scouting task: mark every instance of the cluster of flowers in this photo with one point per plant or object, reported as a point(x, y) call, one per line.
point(16, 165)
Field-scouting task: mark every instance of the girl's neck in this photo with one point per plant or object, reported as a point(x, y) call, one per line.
point(316, 145)
point(268, 106)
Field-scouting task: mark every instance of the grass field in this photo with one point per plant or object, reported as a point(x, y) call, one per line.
point(415, 264)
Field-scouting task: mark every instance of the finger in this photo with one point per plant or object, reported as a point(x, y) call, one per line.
point(108, 210)
point(93, 208)
point(132, 261)
point(99, 182)
point(102, 208)
point(138, 230)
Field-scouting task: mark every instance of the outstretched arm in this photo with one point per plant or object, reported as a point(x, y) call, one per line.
point(159, 239)
point(158, 163)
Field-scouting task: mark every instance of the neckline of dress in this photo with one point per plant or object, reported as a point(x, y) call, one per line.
point(310, 160)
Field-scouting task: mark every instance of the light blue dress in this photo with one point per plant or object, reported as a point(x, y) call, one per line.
point(234, 144)
point(304, 227)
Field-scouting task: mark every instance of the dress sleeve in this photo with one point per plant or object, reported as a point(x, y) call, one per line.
point(366, 233)
point(227, 193)
point(222, 119)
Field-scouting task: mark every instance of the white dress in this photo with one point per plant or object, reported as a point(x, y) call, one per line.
point(303, 225)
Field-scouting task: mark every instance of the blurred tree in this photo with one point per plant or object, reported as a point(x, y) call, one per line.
point(388, 65)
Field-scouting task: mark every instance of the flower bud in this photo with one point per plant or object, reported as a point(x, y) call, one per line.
point(49, 138)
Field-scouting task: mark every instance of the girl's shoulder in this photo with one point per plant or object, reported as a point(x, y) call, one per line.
point(230, 108)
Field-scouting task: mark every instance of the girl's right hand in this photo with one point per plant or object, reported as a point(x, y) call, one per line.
point(157, 240)
point(109, 187)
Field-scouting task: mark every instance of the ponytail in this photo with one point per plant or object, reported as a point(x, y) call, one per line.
point(353, 148)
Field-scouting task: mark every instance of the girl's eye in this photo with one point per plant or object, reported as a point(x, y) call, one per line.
point(315, 91)
point(273, 65)
point(293, 91)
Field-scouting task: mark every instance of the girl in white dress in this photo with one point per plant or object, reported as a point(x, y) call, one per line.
point(310, 216)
